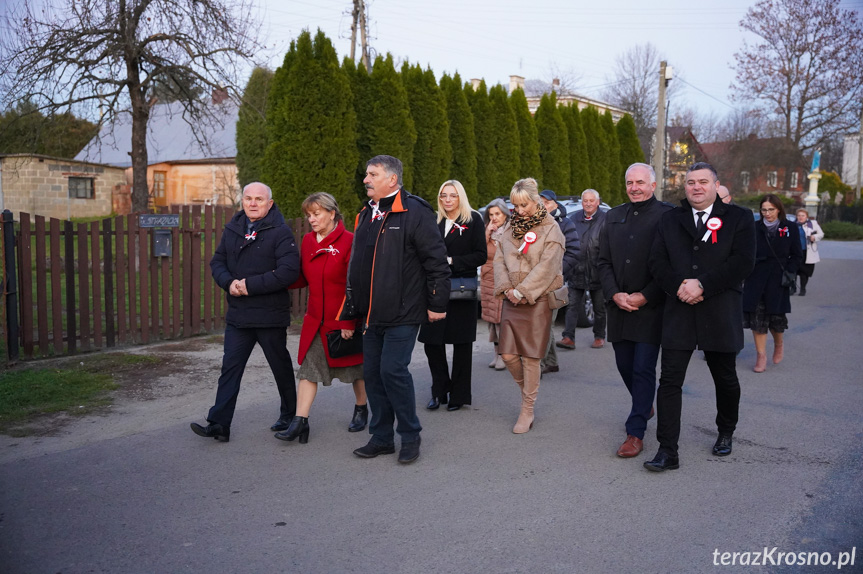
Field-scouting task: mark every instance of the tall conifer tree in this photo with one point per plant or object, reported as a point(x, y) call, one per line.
point(529, 164)
point(615, 175)
point(432, 152)
point(579, 163)
point(597, 149)
point(315, 146)
point(251, 135)
point(507, 151)
point(630, 148)
point(553, 145)
point(461, 136)
point(484, 130)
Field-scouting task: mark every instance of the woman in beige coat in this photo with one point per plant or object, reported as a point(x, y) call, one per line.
point(496, 215)
point(528, 277)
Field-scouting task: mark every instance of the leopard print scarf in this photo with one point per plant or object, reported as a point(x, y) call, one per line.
point(521, 225)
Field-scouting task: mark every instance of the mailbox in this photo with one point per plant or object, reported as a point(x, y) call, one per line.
point(162, 224)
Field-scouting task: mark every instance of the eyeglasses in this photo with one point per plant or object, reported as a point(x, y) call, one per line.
point(768, 210)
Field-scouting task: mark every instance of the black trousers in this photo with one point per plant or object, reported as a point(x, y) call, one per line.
point(723, 368)
point(457, 384)
point(238, 347)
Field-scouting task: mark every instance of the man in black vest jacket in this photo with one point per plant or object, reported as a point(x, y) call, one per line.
point(703, 251)
point(255, 262)
point(634, 297)
point(398, 277)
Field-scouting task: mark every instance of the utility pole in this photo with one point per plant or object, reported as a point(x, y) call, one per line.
point(859, 154)
point(355, 16)
point(359, 21)
point(659, 147)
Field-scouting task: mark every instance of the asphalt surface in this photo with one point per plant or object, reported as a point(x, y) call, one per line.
point(481, 499)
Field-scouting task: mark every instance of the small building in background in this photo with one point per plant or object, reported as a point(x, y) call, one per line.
point(60, 188)
point(564, 98)
point(759, 165)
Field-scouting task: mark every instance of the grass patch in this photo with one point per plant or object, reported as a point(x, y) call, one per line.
point(74, 386)
point(842, 230)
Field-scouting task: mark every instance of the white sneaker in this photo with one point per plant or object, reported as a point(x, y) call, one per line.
point(499, 365)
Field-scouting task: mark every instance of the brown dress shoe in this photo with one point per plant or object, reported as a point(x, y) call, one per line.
point(598, 344)
point(631, 447)
point(566, 343)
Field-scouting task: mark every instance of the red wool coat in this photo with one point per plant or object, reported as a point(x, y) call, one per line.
point(325, 271)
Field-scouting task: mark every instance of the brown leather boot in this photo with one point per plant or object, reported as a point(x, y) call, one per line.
point(531, 388)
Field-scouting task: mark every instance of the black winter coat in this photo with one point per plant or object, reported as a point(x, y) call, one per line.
point(468, 250)
point(269, 263)
point(572, 246)
point(624, 250)
point(716, 323)
point(765, 281)
point(586, 274)
point(408, 271)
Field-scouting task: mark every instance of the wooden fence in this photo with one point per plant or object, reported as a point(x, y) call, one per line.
point(87, 286)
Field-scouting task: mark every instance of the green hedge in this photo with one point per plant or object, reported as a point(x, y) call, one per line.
point(842, 230)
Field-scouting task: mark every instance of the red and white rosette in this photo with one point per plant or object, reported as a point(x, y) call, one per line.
point(713, 224)
point(529, 238)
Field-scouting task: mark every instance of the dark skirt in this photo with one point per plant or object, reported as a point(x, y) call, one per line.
point(760, 322)
point(525, 329)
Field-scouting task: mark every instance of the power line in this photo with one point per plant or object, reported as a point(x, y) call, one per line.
point(696, 88)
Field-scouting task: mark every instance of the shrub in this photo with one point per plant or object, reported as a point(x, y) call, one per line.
point(842, 230)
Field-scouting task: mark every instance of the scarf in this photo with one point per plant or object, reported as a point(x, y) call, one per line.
point(521, 225)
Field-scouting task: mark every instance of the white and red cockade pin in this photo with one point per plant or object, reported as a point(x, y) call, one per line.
point(251, 236)
point(529, 238)
point(713, 224)
point(783, 231)
point(461, 228)
point(331, 250)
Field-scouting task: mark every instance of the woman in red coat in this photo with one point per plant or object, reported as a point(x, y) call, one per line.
point(325, 254)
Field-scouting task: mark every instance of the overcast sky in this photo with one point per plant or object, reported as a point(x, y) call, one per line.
point(493, 39)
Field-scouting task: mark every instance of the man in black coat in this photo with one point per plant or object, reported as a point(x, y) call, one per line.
point(588, 222)
point(255, 262)
point(634, 298)
point(703, 251)
point(398, 277)
point(570, 258)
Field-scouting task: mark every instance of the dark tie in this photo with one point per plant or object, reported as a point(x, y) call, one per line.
point(701, 228)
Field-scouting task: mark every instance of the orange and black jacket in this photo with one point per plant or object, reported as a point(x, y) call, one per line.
point(398, 269)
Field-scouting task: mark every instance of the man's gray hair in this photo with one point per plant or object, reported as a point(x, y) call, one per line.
point(264, 185)
point(648, 167)
point(592, 191)
point(390, 164)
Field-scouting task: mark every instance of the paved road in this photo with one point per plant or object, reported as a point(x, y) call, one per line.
point(480, 499)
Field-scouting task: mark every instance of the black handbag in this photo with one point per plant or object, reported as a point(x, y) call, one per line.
point(340, 347)
point(463, 288)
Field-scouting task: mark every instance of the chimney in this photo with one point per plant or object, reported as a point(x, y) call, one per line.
point(219, 95)
point(516, 82)
point(555, 84)
point(474, 83)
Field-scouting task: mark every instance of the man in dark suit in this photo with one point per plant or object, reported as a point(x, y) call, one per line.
point(703, 251)
point(634, 297)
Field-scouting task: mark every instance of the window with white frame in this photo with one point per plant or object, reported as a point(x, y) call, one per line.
point(744, 178)
point(771, 179)
point(794, 179)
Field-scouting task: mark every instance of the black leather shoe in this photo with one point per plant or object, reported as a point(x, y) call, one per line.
point(550, 369)
point(410, 451)
point(282, 424)
point(212, 430)
point(434, 403)
point(372, 450)
point(723, 445)
point(662, 461)
point(453, 406)
point(361, 418)
point(299, 428)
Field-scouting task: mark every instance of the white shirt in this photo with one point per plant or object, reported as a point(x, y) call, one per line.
point(374, 204)
point(707, 210)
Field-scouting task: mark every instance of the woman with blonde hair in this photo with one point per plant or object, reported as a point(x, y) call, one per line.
point(464, 235)
point(496, 216)
point(528, 276)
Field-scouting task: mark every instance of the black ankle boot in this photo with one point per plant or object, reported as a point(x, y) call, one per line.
point(361, 418)
point(299, 428)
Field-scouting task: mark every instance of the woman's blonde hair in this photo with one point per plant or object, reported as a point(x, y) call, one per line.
point(323, 200)
point(464, 210)
point(525, 190)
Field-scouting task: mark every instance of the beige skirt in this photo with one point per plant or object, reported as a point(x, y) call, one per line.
point(525, 329)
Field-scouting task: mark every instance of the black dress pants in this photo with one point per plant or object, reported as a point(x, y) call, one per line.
point(723, 368)
point(457, 385)
point(238, 347)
